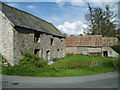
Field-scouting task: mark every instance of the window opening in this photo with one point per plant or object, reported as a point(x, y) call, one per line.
point(51, 41)
point(36, 36)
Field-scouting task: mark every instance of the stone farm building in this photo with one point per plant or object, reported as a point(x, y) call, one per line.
point(95, 45)
point(23, 31)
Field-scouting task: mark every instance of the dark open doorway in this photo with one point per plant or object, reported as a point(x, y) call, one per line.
point(36, 51)
point(105, 53)
point(48, 55)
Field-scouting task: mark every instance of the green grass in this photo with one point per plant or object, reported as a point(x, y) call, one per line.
point(74, 65)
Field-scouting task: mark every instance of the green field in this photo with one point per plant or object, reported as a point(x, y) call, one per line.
point(72, 65)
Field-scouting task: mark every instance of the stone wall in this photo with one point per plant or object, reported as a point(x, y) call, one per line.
point(89, 51)
point(84, 50)
point(93, 51)
point(14, 39)
point(6, 38)
point(110, 51)
point(24, 40)
point(71, 50)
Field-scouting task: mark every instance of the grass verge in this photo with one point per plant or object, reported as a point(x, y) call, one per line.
point(74, 65)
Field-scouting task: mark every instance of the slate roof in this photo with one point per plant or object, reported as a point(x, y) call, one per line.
point(26, 20)
point(91, 41)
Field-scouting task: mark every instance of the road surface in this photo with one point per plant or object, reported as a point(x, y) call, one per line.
point(105, 80)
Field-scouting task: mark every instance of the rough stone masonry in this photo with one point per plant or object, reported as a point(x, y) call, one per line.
point(23, 31)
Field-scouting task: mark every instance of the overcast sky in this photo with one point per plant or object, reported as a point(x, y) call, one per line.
point(68, 16)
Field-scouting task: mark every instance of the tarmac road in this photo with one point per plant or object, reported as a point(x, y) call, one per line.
point(105, 80)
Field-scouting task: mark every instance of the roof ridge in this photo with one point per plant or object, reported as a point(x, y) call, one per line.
point(26, 12)
point(27, 20)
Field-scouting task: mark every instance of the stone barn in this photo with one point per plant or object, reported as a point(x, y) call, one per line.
point(20, 30)
point(93, 45)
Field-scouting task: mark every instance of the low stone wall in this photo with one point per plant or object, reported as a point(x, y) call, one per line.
point(111, 52)
point(93, 51)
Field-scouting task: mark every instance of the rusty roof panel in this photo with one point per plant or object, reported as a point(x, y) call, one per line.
point(91, 40)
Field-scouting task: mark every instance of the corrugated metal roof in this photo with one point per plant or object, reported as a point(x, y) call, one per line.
point(109, 41)
point(91, 41)
point(26, 20)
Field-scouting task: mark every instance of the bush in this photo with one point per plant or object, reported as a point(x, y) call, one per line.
point(55, 59)
point(116, 48)
point(112, 63)
point(33, 60)
point(3, 60)
point(75, 65)
point(29, 64)
point(1, 57)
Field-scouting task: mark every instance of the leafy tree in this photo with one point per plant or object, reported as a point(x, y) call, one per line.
point(80, 34)
point(116, 48)
point(100, 22)
point(72, 35)
point(65, 34)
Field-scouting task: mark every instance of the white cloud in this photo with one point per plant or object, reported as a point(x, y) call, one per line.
point(30, 6)
point(71, 2)
point(56, 19)
point(13, 5)
point(77, 2)
point(53, 18)
point(74, 28)
point(58, 1)
point(101, 0)
point(60, 4)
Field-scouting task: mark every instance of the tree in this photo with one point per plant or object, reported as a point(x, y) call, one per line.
point(80, 34)
point(65, 34)
point(72, 35)
point(100, 22)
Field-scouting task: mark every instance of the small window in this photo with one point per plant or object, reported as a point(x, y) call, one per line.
point(37, 36)
point(51, 41)
point(36, 51)
point(58, 53)
point(58, 50)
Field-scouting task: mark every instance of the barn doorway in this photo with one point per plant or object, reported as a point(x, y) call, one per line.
point(48, 55)
point(105, 53)
point(36, 51)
